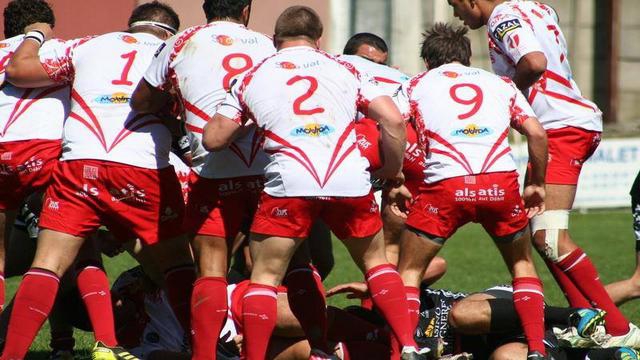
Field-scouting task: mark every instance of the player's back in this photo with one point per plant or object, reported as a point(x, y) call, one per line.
point(387, 77)
point(103, 72)
point(27, 114)
point(306, 102)
point(205, 61)
point(517, 27)
point(463, 114)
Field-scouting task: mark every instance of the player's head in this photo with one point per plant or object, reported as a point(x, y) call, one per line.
point(472, 12)
point(298, 23)
point(234, 10)
point(21, 13)
point(444, 44)
point(369, 46)
point(155, 17)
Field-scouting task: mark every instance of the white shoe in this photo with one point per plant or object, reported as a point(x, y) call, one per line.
point(630, 339)
point(411, 353)
point(569, 338)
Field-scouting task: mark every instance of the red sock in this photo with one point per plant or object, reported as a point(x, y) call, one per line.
point(387, 292)
point(2, 291)
point(31, 307)
point(208, 313)
point(305, 293)
point(179, 285)
point(574, 296)
point(528, 301)
point(579, 268)
point(259, 311)
point(93, 286)
point(413, 300)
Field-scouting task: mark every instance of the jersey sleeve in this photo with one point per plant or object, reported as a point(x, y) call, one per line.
point(157, 74)
point(368, 91)
point(57, 61)
point(401, 99)
point(515, 36)
point(232, 107)
point(519, 108)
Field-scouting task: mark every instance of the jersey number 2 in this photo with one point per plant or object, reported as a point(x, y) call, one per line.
point(130, 57)
point(475, 100)
point(297, 104)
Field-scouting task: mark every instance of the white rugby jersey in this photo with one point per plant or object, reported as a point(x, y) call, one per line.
point(103, 72)
point(462, 116)
point(27, 114)
point(306, 102)
point(200, 64)
point(517, 28)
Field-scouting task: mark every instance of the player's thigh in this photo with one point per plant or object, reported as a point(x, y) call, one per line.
point(271, 256)
point(559, 197)
point(56, 251)
point(288, 349)
point(321, 248)
point(510, 351)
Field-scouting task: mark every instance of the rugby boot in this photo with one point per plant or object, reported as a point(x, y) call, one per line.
point(411, 353)
point(103, 352)
point(321, 355)
point(630, 339)
point(587, 320)
point(625, 353)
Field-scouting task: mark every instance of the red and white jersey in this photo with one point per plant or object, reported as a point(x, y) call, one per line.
point(462, 116)
point(306, 102)
point(517, 28)
point(103, 72)
point(27, 114)
point(388, 78)
point(199, 64)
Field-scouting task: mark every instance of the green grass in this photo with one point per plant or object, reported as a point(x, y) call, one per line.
point(474, 264)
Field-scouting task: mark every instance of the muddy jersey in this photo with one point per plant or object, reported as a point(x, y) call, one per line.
point(517, 28)
point(199, 65)
point(27, 114)
point(306, 102)
point(103, 72)
point(463, 116)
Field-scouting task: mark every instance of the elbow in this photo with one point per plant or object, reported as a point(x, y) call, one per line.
point(213, 144)
point(12, 75)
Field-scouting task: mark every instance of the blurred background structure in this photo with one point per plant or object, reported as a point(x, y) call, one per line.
point(604, 50)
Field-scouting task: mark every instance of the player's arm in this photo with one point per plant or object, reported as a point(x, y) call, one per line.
point(523, 119)
point(152, 93)
point(393, 136)
point(149, 99)
point(529, 70)
point(25, 69)
point(521, 45)
point(227, 124)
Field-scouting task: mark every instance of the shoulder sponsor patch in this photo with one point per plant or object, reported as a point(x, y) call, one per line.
point(504, 27)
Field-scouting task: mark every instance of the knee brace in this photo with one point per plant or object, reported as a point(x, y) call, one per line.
point(551, 221)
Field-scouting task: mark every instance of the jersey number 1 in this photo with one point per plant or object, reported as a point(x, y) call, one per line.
point(130, 57)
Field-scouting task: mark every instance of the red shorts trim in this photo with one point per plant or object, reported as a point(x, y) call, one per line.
point(25, 168)
point(492, 200)
point(132, 202)
point(292, 217)
point(569, 149)
point(222, 207)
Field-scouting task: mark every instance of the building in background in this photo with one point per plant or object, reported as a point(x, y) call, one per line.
point(595, 29)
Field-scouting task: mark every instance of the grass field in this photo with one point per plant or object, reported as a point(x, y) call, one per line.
point(474, 264)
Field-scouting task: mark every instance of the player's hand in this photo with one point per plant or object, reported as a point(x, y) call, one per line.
point(354, 290)
point(397, 198)
point(43, 27)
point(533, 197)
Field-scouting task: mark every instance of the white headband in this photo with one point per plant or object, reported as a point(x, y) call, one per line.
point(156, 24)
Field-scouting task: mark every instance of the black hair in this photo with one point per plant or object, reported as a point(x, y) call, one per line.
point(357, 40)
point(155, 11)
point(21, 13)
point(220, 9)
point(444, 44)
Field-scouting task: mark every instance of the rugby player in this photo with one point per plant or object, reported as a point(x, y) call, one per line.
point(114, 171)
point(30, 122)
point(368, 46)
point(306, 102)
point(463, 116)
point(527, 45)
point(628, 289)
point(199, 65)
